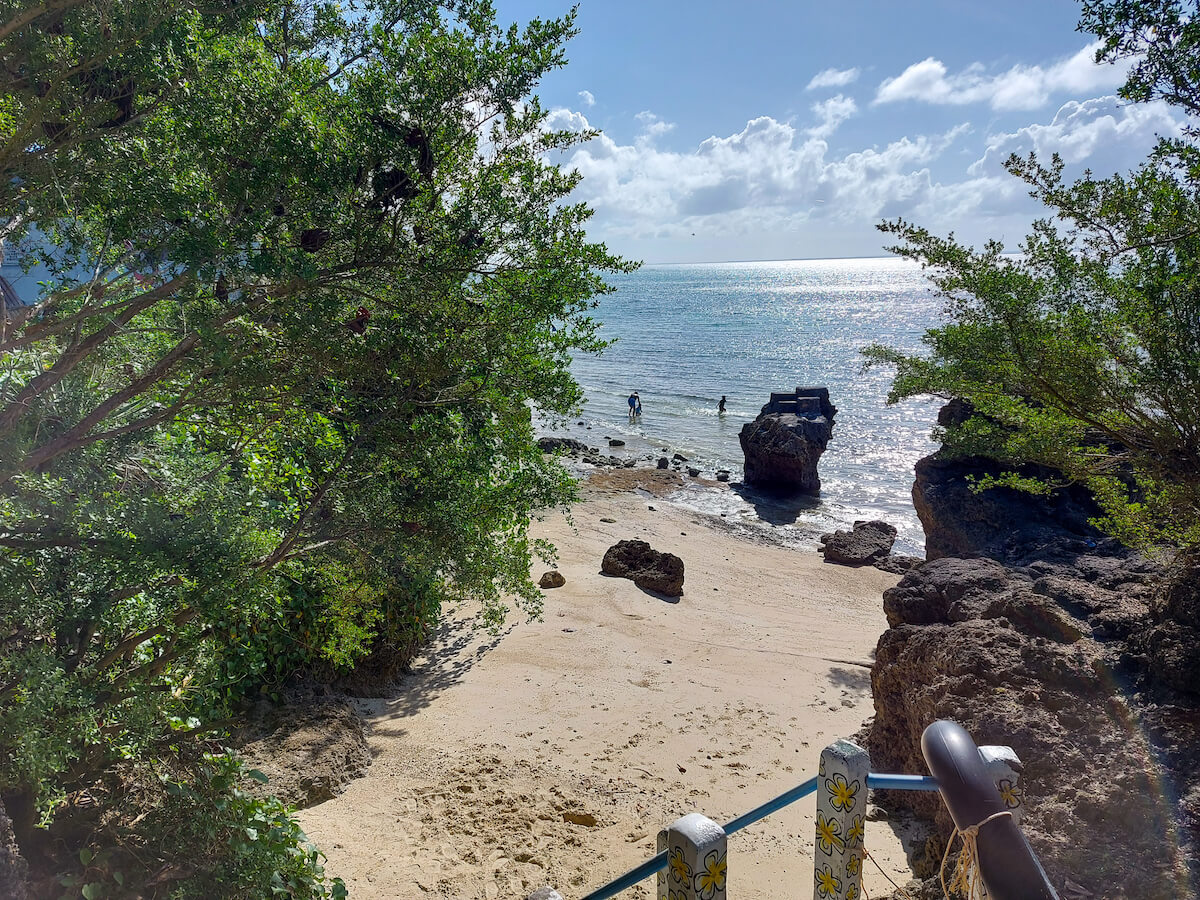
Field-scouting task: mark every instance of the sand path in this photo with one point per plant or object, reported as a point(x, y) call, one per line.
point(552, 754)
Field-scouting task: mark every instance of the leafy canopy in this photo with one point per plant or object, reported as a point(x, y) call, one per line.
point(310, 271)
point(1083, 352)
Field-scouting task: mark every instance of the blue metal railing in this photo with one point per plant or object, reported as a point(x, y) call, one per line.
point(657, 863)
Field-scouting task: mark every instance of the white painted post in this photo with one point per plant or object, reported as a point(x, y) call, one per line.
point(696, 863)
point(841, 821)
point(1004, 766)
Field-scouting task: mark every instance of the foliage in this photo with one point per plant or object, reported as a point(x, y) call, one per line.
point(311, 270)
point(204, 836)
point(1083, 352)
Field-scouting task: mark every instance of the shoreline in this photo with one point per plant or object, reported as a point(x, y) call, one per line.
point(553, 753)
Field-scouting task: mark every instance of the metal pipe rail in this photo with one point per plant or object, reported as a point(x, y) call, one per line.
point(657, 863)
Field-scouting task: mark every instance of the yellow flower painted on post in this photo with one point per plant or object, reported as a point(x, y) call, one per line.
point(858, 828)
point(1008, 793)
point(841, 794)
point(829, 835)
point(712, 879)
point(680, 870)
point(854, 864)
point(828, 884)
point(852, 892)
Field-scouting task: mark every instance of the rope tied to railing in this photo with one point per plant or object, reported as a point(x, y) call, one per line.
point(966, 871)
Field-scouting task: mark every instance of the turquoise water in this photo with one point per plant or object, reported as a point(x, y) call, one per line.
point(686, 334)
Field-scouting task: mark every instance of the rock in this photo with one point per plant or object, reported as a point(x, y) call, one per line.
point(552, 579)
point(679, 457)
point(1068, 648)
point(782, 446)
point(868, 542)
point(648, 568)
point(608, 521)
point(695, 473)
point(12, 865)
point(663, 462)
point(1000, 522)
point(615, 442)
point(555, 444)
point(722, 475)
point(309, 748)
point(896, 564)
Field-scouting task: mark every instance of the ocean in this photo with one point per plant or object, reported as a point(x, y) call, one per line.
point(687, 334)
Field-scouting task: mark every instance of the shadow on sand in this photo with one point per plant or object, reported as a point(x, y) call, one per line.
point(452, 651)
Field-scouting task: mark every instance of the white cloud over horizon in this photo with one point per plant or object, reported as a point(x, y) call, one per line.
point(1022, 87)
point(833, 78)
point(1103, 132)
point(769, 174)
point(780, 180)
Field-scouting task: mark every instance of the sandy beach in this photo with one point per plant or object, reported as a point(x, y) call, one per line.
point(553, 753)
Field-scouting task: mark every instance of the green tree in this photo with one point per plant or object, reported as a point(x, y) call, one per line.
point(1083, 352)
point(273, 408)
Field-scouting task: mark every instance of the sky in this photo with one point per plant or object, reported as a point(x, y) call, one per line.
point(768, 129)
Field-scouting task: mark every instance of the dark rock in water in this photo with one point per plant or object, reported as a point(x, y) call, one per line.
point(629, 463)
point(616, 442)
point(663, 462)
point(554, 444)
point(648, 568)
point(868, 542)
point(679, 457)
point(309, 748)
point(695, 473)
point(722, 475)
point(552, 579)
point(897, 565)
point(782, 446)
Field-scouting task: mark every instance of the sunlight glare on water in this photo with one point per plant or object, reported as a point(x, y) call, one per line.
point(687, 334)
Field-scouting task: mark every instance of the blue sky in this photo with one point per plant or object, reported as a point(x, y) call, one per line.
point(723, 140)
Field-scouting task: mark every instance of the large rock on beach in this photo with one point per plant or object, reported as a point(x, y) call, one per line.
point(1076, 652)
point(1000, 522)
point(783, 445)
point(646, 567)
point(867, 543)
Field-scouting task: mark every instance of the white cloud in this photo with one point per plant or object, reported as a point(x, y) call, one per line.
point(1105, 133)
point(767, 175)
point(831, 113)
point(562, 119)
point(588, 98)
point(833, 78)
point(652, 125)
point(1021, 87)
